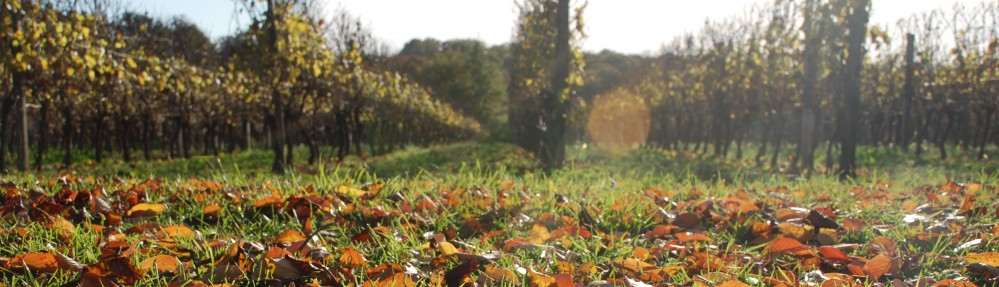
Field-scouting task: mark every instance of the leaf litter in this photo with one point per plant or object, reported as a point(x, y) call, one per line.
point(944, 235)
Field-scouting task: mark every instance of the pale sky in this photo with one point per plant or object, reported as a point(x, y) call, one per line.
point(629, 26)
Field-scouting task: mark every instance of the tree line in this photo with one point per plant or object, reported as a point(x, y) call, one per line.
point(88, 76)
point(815, 76)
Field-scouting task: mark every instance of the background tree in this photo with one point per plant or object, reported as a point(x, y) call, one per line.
point(545, 71)
point(857, 22)
point(463, 73)
point(809, 81)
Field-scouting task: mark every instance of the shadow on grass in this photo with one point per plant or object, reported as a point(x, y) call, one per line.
point(480, 157)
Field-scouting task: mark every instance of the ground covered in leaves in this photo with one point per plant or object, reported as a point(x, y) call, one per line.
point(495, 230)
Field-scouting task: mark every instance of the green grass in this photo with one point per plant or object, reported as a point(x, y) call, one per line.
point(488, 157)
point(483, 197)
point(873, 161)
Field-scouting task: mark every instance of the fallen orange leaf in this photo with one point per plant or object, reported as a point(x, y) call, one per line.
point(733, 283)
point(539, 280)
point(289, 236)
point(987, 258)
point(446, 248)
point(688, 237)
point(500, 276)
point(163, 263)
point(394, 280)
point(271, 201)
point(351, 258)
point(174, 231)
point(953, 283)
point(853, 225)
point(878, 266)
point(834, 254)
point(563, 280)
point(633, 266)
point(44, 262)
point(801, 233)
point(784, 245)
point(837, 282)
point(212, 209)
point(350, 191)
point(539, 234)
point(145, 210)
